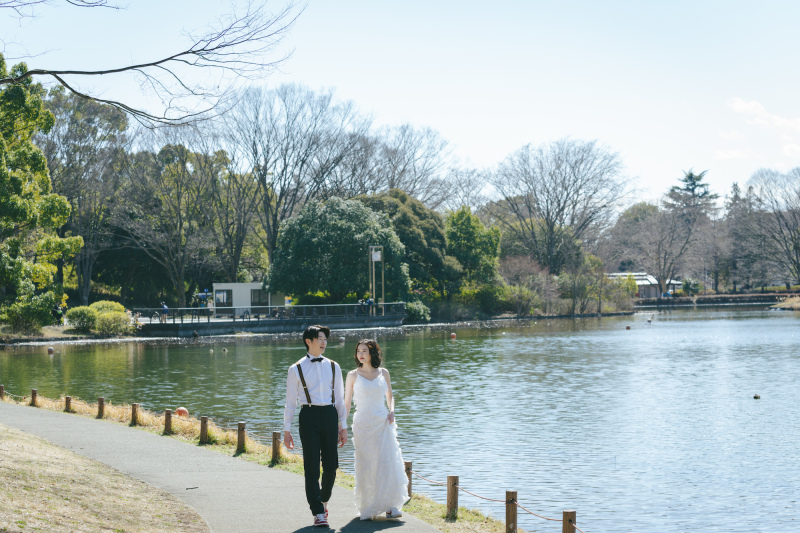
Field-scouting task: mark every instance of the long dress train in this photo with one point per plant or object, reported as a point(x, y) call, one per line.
point(381, 481)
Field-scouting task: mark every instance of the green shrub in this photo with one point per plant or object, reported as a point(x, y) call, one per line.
point(489, 298)
point(519, 299)
point(107, 306)
point(32, 314)
point(82, 318)
point(418, 312)
point(114, 323)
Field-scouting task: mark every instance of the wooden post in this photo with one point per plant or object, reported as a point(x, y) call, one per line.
point(452, 497)
point(33, 397)
point(167, 421)
point(2, 392)
point(101, 404)
point(134, 414)
point(67, 404)
point(408, 475)
point(240, 434)
point(568, 523)
point(203, 429)
point(276, 446)
point(511, 511)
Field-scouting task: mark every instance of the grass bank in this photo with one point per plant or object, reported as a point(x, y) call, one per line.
point(220, 440)
point(46, 488)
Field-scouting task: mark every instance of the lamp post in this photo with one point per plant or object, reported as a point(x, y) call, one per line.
point(375, 256)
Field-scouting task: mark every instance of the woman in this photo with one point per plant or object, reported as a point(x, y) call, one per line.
point(381, 483)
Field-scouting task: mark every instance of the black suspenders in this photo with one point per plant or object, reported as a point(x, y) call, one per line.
point(305, 388)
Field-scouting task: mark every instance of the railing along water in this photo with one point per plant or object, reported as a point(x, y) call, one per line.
point(180, 315)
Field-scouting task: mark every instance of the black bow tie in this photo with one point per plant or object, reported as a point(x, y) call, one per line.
point(316, 359)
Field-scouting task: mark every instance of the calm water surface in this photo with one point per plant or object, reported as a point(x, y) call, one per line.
point(652, 429)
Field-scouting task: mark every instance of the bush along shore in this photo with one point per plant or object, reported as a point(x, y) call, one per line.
point(237, 443)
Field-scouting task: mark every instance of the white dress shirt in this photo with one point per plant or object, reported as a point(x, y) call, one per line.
point(318, 380)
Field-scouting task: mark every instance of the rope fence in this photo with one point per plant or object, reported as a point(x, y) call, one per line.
point(137, 416)
point(512, 504)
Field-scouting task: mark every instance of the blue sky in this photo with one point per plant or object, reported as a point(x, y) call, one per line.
point(671, 86)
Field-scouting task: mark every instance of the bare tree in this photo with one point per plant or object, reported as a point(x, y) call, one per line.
point(359, 172)
point(564, 187)
point(404, 158)
point(776, 217)
point(530, 285)
point(291, 140)
point(234, 199)
point(659, 241)
point(162, 209)
point(26, 8)
point(413, 160)
point(81, 150)
point(240, 46)
point(464, 187)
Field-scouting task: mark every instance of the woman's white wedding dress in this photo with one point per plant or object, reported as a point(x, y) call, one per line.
point(381, 482)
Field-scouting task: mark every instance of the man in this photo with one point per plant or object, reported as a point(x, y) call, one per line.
point(316, 382)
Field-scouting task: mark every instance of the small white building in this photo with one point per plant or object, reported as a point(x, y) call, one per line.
point(647, 285)
point(243, 296)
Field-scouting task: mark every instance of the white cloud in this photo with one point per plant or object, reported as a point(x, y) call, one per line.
point(759, 116)
point(731, 135)
point(747, 108)
point(732, 154)
point(791, 150)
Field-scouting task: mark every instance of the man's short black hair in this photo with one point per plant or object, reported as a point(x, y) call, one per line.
point(312, 332)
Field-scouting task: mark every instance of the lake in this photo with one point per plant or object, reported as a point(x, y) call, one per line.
point(651, 429)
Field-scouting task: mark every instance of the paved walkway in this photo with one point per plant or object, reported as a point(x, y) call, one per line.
point(232, 495)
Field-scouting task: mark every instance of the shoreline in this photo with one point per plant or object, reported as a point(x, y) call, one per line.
point(384, 332)
point(772, 301)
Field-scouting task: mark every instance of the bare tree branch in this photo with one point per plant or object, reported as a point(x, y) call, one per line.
point(239, 47)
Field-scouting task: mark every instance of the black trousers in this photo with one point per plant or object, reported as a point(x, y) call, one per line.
point(319, 434)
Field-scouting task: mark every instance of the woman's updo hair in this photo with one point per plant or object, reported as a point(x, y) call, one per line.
point(376, 357)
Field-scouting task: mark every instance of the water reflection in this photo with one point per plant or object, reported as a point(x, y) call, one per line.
point(652, 429)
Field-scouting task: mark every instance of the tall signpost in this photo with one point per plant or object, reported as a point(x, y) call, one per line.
point(376, 256)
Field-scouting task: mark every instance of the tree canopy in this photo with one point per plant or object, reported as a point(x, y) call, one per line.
point(476, 247)
point(422, 232)
point(325, 249)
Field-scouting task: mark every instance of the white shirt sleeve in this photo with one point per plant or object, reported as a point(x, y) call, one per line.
point(291, 398)
point(339, 395)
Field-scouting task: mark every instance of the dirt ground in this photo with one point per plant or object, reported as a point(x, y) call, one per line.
point(47, 488)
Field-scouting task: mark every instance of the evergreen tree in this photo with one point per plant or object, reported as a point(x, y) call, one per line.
point(324, 249)
point(29, 211)
point(476, 247)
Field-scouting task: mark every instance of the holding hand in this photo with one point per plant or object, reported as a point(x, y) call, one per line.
point(342, 437)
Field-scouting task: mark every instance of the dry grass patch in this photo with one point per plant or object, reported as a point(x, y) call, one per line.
point(47, 488)
point(791, 303)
